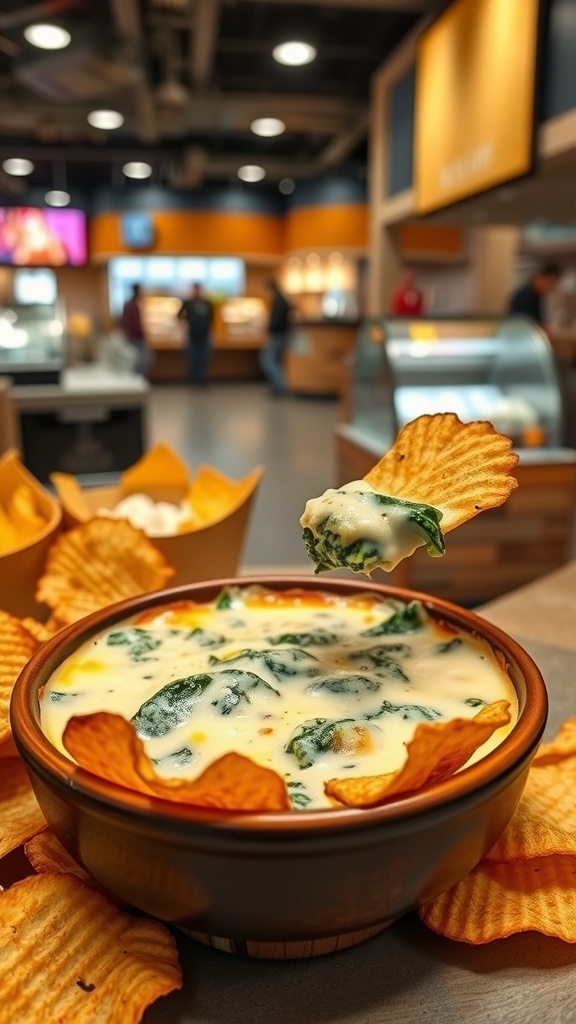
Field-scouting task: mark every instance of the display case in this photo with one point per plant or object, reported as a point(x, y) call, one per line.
point(501, 370)
point(32, 347)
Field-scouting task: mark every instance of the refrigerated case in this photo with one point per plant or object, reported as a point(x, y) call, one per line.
point(501, 370)
point(32, 347)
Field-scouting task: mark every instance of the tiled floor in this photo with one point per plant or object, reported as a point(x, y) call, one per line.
point(235, 427)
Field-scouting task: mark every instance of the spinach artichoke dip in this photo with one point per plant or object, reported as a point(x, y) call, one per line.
point(357, 528)
point(313, 685)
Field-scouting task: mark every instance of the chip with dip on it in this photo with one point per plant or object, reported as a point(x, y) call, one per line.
point(438, 474)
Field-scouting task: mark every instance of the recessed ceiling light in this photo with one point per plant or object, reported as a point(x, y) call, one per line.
point(57, 197)
point(251, 172)
point(47, 37)
point(268, 127)
point(295, 53)
point(137, 169)
point(18, 166)
point(287, 186)
point(106, 119)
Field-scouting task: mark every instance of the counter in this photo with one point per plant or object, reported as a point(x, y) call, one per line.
point(317, 359)
point(408, 974)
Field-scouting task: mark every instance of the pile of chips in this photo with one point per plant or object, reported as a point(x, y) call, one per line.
point(67, 952)
point(526, 882)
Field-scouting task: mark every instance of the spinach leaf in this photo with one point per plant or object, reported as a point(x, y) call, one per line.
point(343, 684)
point(177, 759)
point(408, 619)
point(315, 638)
point(326, 549)
point(381, 659)
point(409, 712)
point(290, 661)
point(205, 638)
point(138, 641)
point(314, 737)
point(299, 796)
point(449, 645)
point(226, 598)
point(62, 698)
point(475, 702)
point(240, 686)
point(170, 707)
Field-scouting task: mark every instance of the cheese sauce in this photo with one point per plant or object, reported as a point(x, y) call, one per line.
point(315, 686)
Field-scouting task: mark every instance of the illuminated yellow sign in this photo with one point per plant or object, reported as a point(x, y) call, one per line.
point(475, 81)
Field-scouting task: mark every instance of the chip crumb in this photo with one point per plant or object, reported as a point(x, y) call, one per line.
point(84, 986)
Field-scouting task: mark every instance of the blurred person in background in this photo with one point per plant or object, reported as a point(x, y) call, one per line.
point(133, 331)
point(407, 299)
point(199, 313)
point(529, 299)
point(273, 352)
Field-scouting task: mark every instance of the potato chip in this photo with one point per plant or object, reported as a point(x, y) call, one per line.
point(436, 751)
point(68, 955)
point(20, 815)
point(108, 746)
point(24, 514)
point(497, 900)
point(47, 856)
point(460, 468)
point(561, 747)
point(17, 646)
point(544, 822)
point(38, 630)
point(96, 564)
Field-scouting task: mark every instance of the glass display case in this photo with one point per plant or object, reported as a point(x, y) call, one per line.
point(500, 370)
point(32, 348)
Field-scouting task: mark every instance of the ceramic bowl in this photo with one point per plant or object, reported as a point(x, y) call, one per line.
point(279, 884)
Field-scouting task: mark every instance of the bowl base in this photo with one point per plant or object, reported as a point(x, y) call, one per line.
point(294, 950)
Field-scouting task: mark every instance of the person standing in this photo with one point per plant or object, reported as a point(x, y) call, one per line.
point(529, 299)
point(272, 353)
point(133, 331)
point(407, 299)
point(199, 313)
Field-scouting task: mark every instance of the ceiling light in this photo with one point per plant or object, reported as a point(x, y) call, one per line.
point(287, 186)
point(18, 166)
point(57, 197)
point(106, 119)
point(267, 127)
point(294, 53)
point(47, 37)
point(251, 172)
point(137, 169)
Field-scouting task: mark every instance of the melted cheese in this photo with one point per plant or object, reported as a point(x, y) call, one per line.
point(264, 673)
point(357, 519)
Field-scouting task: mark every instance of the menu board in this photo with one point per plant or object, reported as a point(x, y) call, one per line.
point(475, 99)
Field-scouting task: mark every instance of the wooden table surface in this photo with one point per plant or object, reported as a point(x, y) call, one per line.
point(408, 975)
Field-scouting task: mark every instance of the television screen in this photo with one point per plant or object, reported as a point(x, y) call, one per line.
point(34, 237)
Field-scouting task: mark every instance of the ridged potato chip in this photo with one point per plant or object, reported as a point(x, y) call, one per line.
point(20, 815)
point(544, 822)
point(67, 955)
point(38, 630)
point(47, 856)
point(108, 746)
point(436, 751)
point(460, 468)
point(17, 646)
point(497, 900)
point(96, 564)
point(562, 746)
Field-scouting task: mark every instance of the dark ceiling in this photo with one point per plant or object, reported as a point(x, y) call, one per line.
point(189, 76)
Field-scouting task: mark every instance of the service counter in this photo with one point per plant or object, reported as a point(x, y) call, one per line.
point(317, 362)
point(230, 359)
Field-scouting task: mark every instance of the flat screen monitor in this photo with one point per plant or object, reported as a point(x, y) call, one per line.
point(31, 236)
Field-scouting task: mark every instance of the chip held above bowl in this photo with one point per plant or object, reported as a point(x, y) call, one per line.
point(198, 521)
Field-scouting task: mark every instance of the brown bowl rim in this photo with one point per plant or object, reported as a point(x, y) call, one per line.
point(42, 757)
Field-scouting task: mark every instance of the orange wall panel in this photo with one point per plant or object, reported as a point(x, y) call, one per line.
point(183, 232)
point(426, 240)
point(327, 227)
